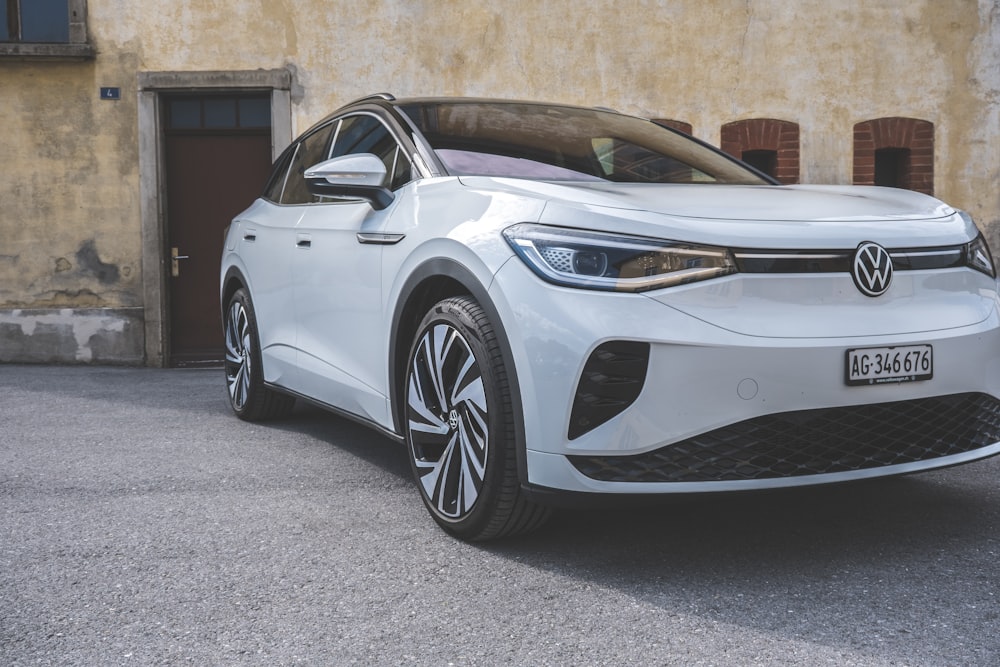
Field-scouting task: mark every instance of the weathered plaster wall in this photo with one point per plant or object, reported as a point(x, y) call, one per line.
point(69, 236)
point(69, 250)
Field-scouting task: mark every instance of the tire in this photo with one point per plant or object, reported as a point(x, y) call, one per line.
point(459, 425)
point(250, 399)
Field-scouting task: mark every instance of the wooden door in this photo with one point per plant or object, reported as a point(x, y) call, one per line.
point(217, 157)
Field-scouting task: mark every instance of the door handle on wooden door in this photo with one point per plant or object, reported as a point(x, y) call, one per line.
point(175, 267)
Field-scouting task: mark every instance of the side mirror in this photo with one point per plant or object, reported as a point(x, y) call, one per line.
point(358, 176)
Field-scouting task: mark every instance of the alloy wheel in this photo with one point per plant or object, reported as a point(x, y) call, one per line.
point(448, 423)
point(238, 359)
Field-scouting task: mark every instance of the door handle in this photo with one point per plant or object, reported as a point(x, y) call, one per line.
point(175, 267)
point(303, 241)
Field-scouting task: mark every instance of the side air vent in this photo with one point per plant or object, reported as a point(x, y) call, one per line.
point(611, 381)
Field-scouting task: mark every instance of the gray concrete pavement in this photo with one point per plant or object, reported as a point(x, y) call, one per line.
point(142, 524)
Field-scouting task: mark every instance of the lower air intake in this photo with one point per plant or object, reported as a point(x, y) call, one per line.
point(611, 380)
point(814, 442)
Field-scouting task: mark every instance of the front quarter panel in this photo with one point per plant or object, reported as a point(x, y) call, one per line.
point(453, 244)
point(260, 245)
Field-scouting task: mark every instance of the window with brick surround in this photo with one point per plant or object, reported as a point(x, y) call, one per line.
point(674, 124)
point(897, 152)
point(771, 145)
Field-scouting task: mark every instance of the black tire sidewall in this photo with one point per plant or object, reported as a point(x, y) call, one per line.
point(461, 313)
point(256, 384)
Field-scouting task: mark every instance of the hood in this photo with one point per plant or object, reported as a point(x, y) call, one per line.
point(792, 216)
point(785, 203)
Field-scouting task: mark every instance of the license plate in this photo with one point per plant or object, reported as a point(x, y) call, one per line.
point(889, 365)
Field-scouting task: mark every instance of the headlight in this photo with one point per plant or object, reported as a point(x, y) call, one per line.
point(977, 256)
point(977, 252)
point(614, 262)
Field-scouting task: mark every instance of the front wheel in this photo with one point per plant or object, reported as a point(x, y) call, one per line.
point(460, 426)
point(249, 397)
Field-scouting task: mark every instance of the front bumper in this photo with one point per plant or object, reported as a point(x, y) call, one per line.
point(724, 411)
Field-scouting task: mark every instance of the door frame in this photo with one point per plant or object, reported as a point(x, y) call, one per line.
point(152, 187)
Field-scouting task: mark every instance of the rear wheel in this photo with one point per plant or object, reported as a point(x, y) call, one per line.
point(249, 397)
point(460, 426)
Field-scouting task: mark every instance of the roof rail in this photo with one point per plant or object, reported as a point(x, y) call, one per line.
point(388, 97)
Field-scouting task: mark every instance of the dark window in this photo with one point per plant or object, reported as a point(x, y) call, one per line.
point(309, 152)
point(219, 112)
point(367, 134)
point(184, 114)
point(768, 144)
point(42, 21)
point(255, 111)
point(896, 152)
point(762, 160)
point(892, 167)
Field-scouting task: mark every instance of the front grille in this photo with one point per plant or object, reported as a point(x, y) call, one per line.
point(814, 442)
point(839, 261)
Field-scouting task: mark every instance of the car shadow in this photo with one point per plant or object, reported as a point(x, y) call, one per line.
point(803, 522)
point(841, 522)
point(348, 436)
point(869, 566)
point(896, 566)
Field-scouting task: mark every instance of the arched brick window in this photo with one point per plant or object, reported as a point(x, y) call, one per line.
point(897, 152)
point(675, 124)
point(768, 144)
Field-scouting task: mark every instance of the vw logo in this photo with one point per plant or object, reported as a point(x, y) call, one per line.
point(872, 269)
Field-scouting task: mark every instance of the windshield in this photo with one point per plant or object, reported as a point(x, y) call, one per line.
point(554, 143)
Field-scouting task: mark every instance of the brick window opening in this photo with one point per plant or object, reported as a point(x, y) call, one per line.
point(770, 145)
point(895, 152)
point(892, 167)
point(765, 161)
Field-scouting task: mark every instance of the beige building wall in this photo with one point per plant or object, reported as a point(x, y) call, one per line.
point(80, 268)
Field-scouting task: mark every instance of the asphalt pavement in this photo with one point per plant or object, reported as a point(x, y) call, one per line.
point(142, 524)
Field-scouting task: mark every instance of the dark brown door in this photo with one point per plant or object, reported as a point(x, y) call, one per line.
point(218, 155)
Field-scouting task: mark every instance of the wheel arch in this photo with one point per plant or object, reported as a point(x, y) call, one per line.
point(431, 282)
point(233, 281)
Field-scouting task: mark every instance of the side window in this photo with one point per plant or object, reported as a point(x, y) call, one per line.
point(366, 134)
point(276, 181)
point(310, 151)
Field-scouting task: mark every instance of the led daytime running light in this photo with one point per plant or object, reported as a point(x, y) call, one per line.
point(614, 262)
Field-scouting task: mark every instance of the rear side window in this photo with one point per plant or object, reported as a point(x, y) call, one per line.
point(276, 182)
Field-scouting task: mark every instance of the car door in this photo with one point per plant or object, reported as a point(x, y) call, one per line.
point(338, 290)
point(266, 236)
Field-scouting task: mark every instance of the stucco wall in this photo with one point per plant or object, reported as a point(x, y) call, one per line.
point(70, 271)
point(70, 241)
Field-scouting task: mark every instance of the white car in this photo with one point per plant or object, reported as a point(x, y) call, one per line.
point(548, 301)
